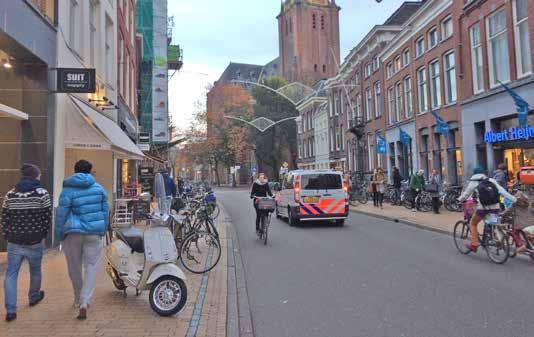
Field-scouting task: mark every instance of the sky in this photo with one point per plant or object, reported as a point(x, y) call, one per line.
point(214, 33)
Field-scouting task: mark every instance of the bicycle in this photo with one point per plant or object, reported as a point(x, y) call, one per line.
point(266, 205)
point(423, 201)
point(359, 193)
point(493, 239)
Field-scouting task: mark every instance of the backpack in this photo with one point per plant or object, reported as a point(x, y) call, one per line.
point(488, 194)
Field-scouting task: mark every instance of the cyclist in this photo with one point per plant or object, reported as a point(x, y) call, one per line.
point(260, 188)
point(488, 192)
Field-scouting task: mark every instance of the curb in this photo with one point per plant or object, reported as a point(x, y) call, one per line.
point(402, 221)
point(239, 315)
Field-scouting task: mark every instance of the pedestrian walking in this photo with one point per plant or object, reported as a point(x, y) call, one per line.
point(81, 223)
point(434, 188)
point(397, 183)
point(26, 217)
point(379, 182)
point(501, 175)
point(417, 183)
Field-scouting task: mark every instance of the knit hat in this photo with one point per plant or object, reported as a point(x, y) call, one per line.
point(30, 170)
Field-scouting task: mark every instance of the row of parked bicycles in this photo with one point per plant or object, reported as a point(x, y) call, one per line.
point(448, 196)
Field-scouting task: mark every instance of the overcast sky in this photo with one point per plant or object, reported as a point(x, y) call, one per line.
point(214, 33)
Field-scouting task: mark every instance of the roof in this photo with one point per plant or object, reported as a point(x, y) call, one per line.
point(271, 69)
point(242, 72)
point(403, 13)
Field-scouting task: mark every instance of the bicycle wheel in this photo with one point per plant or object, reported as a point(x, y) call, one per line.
point(425, 202)
point(496, 246)
point(461, 236)
point(213, 210)
point(512, 245)
point(363, 197)
point(200, 252)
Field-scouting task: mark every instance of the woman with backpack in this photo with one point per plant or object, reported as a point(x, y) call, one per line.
point(487, 192)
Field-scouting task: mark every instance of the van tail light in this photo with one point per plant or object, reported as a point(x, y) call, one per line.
point(346, 188)
point(296, 191)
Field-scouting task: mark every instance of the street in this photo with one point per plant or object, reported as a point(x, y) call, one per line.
point(375, 278)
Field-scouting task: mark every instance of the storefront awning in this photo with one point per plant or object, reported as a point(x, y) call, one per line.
point(7, 111)
point(111, 135)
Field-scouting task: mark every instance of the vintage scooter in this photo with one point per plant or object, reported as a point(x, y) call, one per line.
point(147, 260)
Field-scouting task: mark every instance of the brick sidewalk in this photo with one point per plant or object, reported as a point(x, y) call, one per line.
point(443, 222)
point(111, 314)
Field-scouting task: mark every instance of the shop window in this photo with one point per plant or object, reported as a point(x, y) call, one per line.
point(498, 55)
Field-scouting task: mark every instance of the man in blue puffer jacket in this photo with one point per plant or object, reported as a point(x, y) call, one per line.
point(81, 222)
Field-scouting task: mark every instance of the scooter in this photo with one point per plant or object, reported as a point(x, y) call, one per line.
point(148, 260)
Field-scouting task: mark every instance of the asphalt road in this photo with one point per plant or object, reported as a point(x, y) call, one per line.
point(376, 278)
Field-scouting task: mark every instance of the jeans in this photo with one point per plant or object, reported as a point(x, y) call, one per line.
point(15, 255)
point(378, 199)
point(83, 253)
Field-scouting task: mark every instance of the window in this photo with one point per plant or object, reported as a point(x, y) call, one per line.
point(446, 28)
point(314, 21)
point(376, 63)
point(390, 70)
point(46, 8)
point(332, 139)
point(398, 101)
point(398, 64)
point(109, 50)
point(368, 70)
point(406, 57)
point(432, 38)
point(322, 22)
point(93, 23)
point(420, 47)
point(359, 106)
point(378, 100)
point(121, 84)
point(435, 84)
point(421, 90)
point(449, 63)
point(338, 139)
point(522, 43)
point(476, 59)
point(368, 104)
point(391, 107)
point(74, 28)
point(324, 68)
point(499, 63)
point(315, 67)
point(125, 13)
point(408, 109)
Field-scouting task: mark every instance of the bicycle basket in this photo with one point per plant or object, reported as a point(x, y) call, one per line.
point(266, 204)
point(210, 198)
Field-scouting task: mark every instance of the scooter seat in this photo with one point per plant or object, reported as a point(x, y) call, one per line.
point(133, 237)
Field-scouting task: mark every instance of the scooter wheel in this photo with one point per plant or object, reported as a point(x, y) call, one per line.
point(168, 295)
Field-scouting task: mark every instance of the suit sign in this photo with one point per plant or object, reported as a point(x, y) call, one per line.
point(76, 80)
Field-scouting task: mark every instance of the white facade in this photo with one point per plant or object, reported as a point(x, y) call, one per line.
point(320, 121)
point(87, 38)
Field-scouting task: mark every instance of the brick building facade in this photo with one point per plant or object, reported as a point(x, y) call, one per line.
point(308, 33)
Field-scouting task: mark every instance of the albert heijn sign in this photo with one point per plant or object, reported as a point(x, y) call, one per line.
point(511, 134)
point(76, 80)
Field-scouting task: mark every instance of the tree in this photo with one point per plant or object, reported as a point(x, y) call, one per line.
point(279, 142)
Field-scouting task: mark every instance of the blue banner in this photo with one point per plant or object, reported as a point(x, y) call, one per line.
point(521, 106)
point(404, 138)
point(381, 147)
point(441, 126)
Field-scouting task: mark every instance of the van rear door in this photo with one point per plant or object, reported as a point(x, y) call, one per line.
point(322, 194)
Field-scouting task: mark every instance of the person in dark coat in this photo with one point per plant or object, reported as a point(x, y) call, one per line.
point(397, 183)
point(260, 188)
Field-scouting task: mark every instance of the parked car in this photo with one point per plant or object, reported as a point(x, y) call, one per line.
point(313, 195)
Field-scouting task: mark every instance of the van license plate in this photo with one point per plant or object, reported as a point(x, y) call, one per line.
point(312, 200)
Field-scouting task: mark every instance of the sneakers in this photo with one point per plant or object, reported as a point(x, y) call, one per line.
point(11, 316)
point(471, 247)
point(41, 296)
point(82, 314)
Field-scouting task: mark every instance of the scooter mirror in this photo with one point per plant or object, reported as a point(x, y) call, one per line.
point(145, 196)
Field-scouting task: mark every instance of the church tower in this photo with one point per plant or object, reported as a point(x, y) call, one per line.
point(308, 33)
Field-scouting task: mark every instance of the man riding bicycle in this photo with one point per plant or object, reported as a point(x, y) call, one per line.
point(260, 188)
point(488, 192)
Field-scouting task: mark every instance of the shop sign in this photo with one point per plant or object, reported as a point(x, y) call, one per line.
point(76, 80)
point(511, 134)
